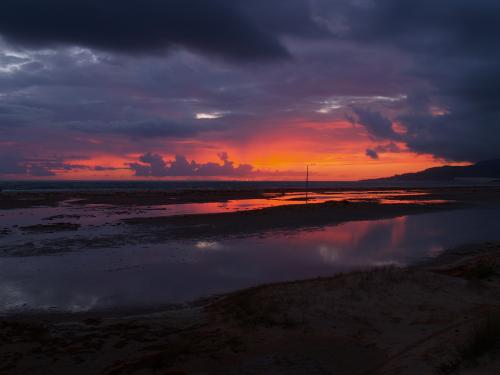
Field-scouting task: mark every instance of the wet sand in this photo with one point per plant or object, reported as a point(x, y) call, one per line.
point(381, 321)
point(300, 216)
point(9, 200)
point(26, 199)
point(291, 217)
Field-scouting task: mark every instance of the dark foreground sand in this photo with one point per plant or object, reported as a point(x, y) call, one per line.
point(382, 321)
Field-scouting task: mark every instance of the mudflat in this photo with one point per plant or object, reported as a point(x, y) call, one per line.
point(281, 218)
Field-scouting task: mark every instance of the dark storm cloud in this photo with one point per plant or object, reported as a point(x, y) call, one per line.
point(456, 27)
point(388, 147)
point(112, 96)
point(223, 27)
point(454, 45)
point(432, 67)
point(377, 125)
point(16, 166)
point(10, 164)
point(149, 128)
point(40, 171)
point(100, 168)
point(153, 165)
point(372, 154)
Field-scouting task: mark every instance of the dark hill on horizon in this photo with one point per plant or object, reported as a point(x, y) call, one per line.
point(488, 169)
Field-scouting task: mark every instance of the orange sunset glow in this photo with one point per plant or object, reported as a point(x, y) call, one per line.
point(278, 155)
point(90, 108)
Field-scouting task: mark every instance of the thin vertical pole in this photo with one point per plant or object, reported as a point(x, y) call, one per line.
point(307, 182)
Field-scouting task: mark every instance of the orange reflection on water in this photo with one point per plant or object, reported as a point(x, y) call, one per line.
point(291, 198)
point(398, 230)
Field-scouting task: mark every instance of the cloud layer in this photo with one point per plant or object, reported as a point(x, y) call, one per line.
point(153, 165)
point(217, 27)
point(453, 46)
point(104, 81)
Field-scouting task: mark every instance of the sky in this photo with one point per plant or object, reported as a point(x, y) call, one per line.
point(246, 89)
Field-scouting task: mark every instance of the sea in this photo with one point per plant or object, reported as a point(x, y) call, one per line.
point(75, 185)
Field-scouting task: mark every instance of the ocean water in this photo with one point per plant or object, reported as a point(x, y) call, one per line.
point(207, 185)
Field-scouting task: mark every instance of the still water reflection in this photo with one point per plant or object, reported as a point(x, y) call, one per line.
point(99, 214)
point(176, 271)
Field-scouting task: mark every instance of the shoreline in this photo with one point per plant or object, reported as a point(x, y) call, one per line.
point(448, 259)
point(428, 304)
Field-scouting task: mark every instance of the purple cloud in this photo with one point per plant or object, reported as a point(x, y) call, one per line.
point(372, 154)
point(153, 165)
